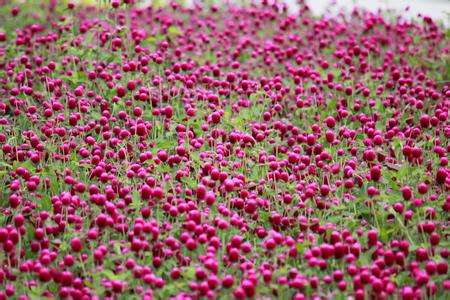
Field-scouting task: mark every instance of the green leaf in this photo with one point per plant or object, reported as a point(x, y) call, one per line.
point(189, 273)
point(112, 276)
point(174, 31)
point(5, 165)
point(301, 247)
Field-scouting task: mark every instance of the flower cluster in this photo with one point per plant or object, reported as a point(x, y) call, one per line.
point(222, 151)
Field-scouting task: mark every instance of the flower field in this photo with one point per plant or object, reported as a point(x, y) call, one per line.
point(222, 151)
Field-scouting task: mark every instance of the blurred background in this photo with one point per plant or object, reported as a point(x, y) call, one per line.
point(437, 9)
